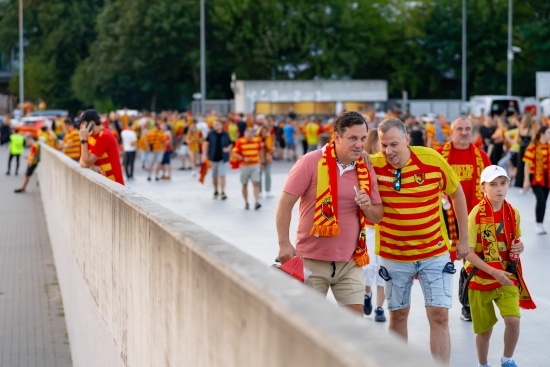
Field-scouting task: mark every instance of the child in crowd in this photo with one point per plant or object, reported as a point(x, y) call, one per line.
point(495, 245)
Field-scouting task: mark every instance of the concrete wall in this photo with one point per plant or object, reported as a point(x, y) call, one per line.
point(143, 286)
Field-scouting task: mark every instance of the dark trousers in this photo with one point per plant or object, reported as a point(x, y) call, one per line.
point(16, 162)
point(541, 193)
point(129, 158)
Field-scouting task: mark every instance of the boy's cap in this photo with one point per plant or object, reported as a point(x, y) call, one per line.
point(492, 172)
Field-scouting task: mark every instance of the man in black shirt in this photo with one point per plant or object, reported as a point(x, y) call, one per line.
point(216, 148)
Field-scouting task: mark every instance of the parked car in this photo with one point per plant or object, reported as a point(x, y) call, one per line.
point(30, 124)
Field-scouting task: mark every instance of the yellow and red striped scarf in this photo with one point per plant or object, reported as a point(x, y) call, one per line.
point(542, 158)
point(325, 222)
point(451, 217)
point(490, 253)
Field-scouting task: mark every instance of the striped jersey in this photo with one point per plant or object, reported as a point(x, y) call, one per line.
point(105, 147)
point(413, 228)
point(249, 149)
point(156, 139)
point(74, 150)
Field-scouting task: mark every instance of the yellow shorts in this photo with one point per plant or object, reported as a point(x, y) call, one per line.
point(344, 278)
point(506, 298)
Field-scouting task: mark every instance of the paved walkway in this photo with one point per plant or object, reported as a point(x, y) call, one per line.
point(254, 233)
point(32, 326)
point(33, 329)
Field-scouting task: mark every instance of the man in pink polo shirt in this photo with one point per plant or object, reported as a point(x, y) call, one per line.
point(337, 193)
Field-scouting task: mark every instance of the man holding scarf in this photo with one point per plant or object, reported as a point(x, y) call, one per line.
point(337, 193)
point(468, 162)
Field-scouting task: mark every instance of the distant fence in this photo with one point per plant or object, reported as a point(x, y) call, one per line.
point(142, 286)
point(419, 107)
point(221, 106)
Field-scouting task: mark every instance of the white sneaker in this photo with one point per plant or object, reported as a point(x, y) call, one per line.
point(268, 195)
point(539, 229)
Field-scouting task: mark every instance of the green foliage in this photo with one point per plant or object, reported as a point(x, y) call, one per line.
point(140, 53)
point(145, 54)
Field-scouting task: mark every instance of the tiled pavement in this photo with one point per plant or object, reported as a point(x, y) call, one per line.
point(32, 323)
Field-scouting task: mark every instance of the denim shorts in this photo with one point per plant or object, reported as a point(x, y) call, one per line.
point(435, 276)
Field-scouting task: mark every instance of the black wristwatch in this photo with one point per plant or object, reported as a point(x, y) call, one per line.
point(83, 141)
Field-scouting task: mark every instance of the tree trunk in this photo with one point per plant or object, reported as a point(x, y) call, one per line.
point(154, 102)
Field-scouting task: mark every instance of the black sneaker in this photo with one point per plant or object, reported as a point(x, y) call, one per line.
point(379, 315)
point(148, 178)
point(247, 206)
point(257, 206)
point(223, 196)
point(17, 191)
point(466, 316)
point(367, 305)
point(215, 196)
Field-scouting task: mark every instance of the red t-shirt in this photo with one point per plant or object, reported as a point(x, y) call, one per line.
point(464, 164)
point(105, 146)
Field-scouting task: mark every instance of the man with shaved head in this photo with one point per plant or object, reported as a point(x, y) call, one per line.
point(468, 162)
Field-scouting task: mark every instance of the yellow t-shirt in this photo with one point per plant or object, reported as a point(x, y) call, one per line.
point(413, 227)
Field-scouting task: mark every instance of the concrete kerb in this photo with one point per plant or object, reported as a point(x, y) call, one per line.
point(334, 330)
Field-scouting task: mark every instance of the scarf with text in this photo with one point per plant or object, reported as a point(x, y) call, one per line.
point(541, 158)
point(476, 192)
point(325, 222)
point(487, 236)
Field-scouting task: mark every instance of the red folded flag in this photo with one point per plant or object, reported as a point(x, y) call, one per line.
point(295, 268)
point(204, 169)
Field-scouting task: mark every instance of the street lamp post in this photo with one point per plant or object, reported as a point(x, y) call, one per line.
point(511, 50)
point(510, 53)
point(21, 56)
point(464, 76)
point(203, 62)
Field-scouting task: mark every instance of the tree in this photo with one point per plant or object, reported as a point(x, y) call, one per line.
point(58, 34)
point(140, 58)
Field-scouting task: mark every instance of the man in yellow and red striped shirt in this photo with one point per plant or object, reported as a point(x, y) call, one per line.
point(247, 150)
point(71, 141)
point(156, 144)
point(412, 238)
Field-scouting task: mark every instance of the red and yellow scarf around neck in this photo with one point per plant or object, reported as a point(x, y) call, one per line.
point(476, 193)
point(487, 236)
point(325, 222)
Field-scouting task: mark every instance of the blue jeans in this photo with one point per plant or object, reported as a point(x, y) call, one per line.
point(435, 276)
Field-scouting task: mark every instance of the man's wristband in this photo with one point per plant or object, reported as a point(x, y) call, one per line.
point(83, 141)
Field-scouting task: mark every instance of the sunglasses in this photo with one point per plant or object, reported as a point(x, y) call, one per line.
point(397, 182)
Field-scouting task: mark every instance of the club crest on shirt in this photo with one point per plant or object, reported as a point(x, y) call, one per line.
point(326, 209)
point(419, 178)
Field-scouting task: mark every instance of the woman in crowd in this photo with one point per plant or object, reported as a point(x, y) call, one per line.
point(537, 173)
point(525, 130)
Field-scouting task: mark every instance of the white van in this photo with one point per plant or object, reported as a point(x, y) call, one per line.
point(545, 107)
point(494, 105)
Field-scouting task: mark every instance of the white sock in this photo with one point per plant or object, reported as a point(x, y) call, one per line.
point(505, 359)
point(368, 294)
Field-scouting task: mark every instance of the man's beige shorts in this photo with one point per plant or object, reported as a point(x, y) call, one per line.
point(346, 284)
